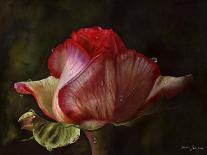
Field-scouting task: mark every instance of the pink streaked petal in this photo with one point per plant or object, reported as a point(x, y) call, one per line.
point(74, 64)
point(91, 94)
point(62, 53)
point(168, 87)
point(109, 89)
point(42, 91)
point(135, 78)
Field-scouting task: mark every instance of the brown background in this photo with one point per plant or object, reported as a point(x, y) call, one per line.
point(174, 31)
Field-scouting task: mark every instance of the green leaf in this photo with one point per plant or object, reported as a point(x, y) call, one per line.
point(53, 134)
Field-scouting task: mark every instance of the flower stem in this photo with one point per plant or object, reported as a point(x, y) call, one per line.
point(100, 140)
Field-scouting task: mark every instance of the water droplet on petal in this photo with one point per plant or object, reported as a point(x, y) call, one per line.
point(121, 98)
point(94, 140)
point(154, 59)
point(102, 83)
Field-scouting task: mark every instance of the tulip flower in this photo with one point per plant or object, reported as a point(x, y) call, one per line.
point(95, 80)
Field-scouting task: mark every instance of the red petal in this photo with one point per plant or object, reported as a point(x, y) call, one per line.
point(43, 92)
point(136, 75)
point(97, 40)
point(63, 52)
point(168, 87)
point(109, 89)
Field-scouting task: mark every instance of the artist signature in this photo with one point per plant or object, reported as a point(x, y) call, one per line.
point(192, 148)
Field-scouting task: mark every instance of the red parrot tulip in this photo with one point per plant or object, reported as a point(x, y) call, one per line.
point(96, 80)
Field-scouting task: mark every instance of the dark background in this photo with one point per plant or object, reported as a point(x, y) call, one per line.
point(174, 31)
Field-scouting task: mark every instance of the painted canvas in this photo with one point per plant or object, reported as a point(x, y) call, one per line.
point(103, 77)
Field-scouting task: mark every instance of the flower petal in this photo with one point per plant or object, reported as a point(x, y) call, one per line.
point(109, 89)
point(80, 99)
point(42, 91)
point(97, 40)
point(71, 69)
point(168, 87)
point(136, 75)
point(60, 55)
